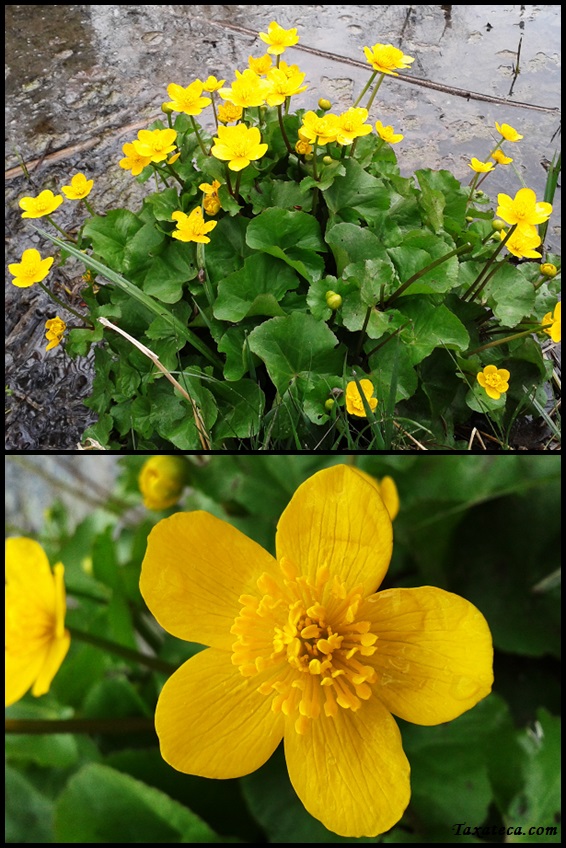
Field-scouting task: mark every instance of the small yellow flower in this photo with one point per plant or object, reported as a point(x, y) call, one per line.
point(320, 130)
point(523, 210)
point(132, 160)
point(192, 227)
point(212, 84)
point(522, 243)
point(31, 268)
point(303, 147)
point(55, 328)
point(387, 59)
point(548, 269)
point(162, 480)
point(261, 64)
point(36, 639)
point(239, 145)
point(480, 167)
point(188, 100)
point(278, 38)
point(248, 89)
point(302, 647)
point(44, 204)
point(354, 402)
point(211, 201)
point(494, 380)
point(228, 112)
point(155, 144)
point(283, 86)
point(554, 319)
point(351, 125)
point(79, 189)
point(508, 133)
point(501, 158)
point(387, 133)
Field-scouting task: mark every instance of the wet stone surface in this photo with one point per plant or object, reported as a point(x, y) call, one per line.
point(82, 80)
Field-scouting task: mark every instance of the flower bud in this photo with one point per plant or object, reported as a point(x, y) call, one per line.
point(325, 104)
point(328, 404)
point(333, 300)
point(167, 109)
point(162, 479)
point(327, 160)
point(498, 225)
point(548, 269)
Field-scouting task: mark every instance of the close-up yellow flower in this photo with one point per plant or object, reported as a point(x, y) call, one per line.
point(351, 125)
point(388, 491)
point(36, 639)
point(239, 145)
point(508, 132)
point(211, 201)
point(387, 133)
point(319, 130)
point(192, 227)
point(494, 380)
point(55, 329)
point(260, 65)
point(188, 100)
point(155, 144)
point(79, 189)
point(162, 480)
point(278, 38)
point(30, 269)
point(501, 158)
point(301, 647)
point(248, 89)
point(132, 160)
point(387, 59)
point(282, 86)
point(480, 167)
point(228, 112)
point(548, 269)
point(354, 402)
point(553, 318)
point(212, 84)
point(44, 204)
point(523, 209)
point(522, 243)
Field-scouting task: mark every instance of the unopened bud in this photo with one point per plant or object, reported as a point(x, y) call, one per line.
point(498, 225)
point(327, 160)
point(328, 404)
point(548, 269)
point(325, 104)
point(333, 300)
point(167, 109)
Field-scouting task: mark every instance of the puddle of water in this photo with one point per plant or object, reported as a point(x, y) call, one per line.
point(81, 80)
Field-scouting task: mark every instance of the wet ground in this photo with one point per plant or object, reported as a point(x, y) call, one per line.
point(81, 80)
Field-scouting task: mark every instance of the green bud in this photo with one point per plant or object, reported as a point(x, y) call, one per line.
point(324, 104)
point(328, 160)
point(167, 109)
point(498, 225)
point(308, 157)
point(469, 219)
point(333, 300)
point(328, 404)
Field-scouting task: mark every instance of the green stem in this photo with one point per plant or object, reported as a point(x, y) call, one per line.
point(365, 88)
point(203, 276)
point(508, 339)
point(388, 339)
point(374, 92)
point(462, 249)
point(282, 128)
point(60, 229)
point(171, 170)
point(362, 335)
point(199, 139)
point(469, 293)
point(89, 207)
point(64, 306)
point(134, 724)
point(122, 651)
point(314, 152)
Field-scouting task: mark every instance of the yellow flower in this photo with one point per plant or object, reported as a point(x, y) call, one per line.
point(522, 243)
point(36, 639)
point(247, 90)
point(523, 210)
point(189, 99)
point(212, 84)
point(211, 201)
point(554, 319)
point(278, 38)
point(31, 269)
point(192, 227)
point(354, 402)
point(240, 145)
point(387, 133)
point(494, 380)
point(351, 125)
point(162, 480)
point(283, 86)
point(480, 167)
point(55, 328)
point(228, 112)
point(388, 492)
point(386, 59)
point(79, 189)
point(261, 64)
point(508, 133)
point(44, 204)
point(321, 130)
point(548, 269)
point(303, 147)
point(132, 160)
point(501, 158)
point(155, 144)
point(301, 646)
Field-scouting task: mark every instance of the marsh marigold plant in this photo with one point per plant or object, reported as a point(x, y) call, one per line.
point(302, 647)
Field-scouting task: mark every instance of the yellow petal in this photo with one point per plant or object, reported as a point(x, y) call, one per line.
point(337, 519)
point(350, 771)
point(53, 658)
point(212, 722)
point(21, 671)
point(28, 571)
point(195, 568)
point(434, 656)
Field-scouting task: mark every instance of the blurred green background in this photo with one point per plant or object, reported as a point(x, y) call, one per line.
point(485, 527)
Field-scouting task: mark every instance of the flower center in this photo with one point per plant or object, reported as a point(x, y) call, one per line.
point(304, 637)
